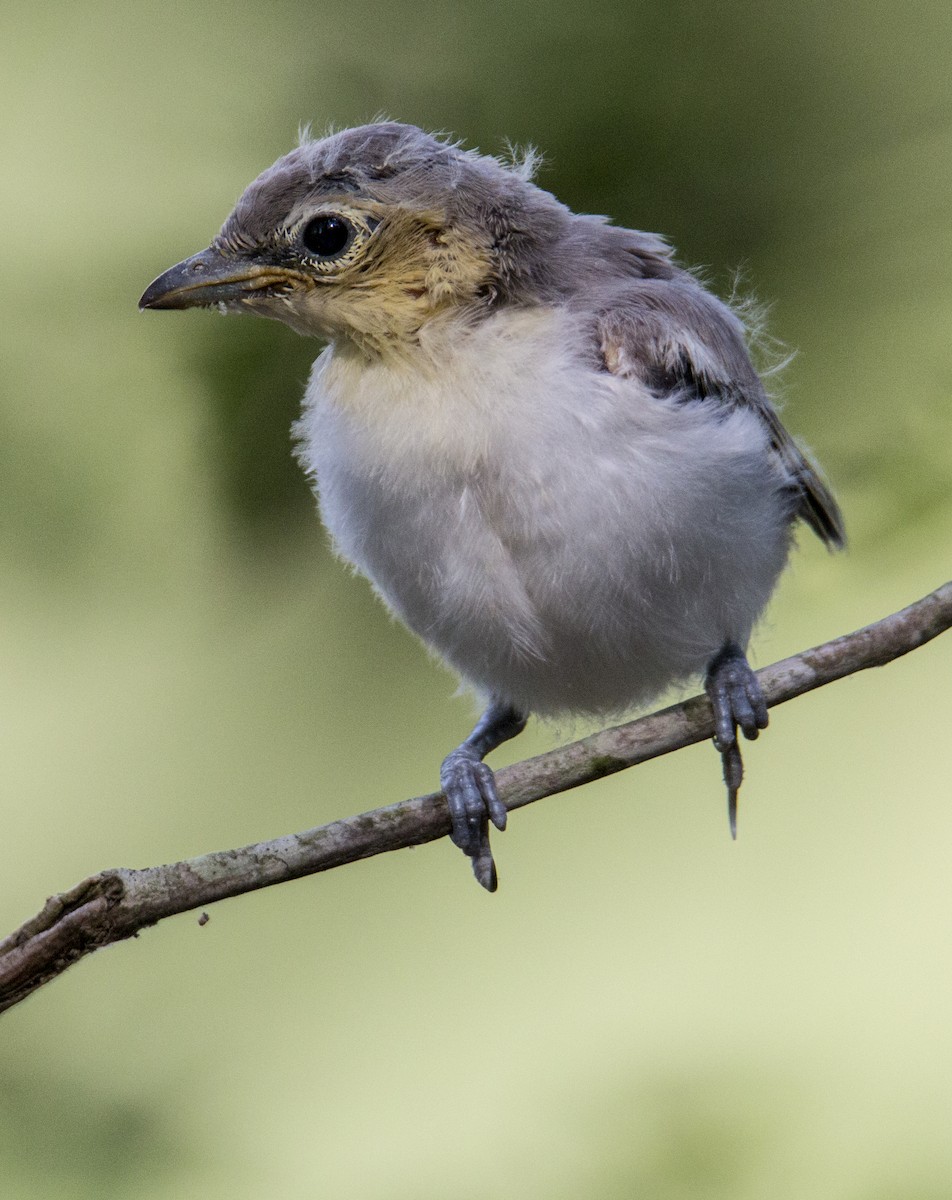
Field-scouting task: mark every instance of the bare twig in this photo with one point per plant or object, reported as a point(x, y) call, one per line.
point(116, 904)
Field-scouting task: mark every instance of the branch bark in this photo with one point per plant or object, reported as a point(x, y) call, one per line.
point(116, 904)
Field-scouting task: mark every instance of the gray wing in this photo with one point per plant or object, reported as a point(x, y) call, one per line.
point(678, 339)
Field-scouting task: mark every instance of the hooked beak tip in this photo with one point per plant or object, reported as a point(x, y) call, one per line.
point(178, 287)
point(211, 278)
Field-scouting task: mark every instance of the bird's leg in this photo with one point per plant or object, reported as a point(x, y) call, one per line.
point(470, 788)
point(737, 699)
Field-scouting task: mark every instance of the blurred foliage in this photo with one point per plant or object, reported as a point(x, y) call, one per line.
point(255, 375)
point(61, 1137)
point(644, 1009)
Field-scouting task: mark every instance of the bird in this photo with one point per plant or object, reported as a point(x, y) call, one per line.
point(540, 438)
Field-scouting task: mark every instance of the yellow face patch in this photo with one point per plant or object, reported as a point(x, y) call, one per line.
point(410, 269)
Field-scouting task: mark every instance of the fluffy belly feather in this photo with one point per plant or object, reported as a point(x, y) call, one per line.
point(566, 541)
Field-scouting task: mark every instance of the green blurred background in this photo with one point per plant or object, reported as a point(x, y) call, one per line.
point(644, 1009)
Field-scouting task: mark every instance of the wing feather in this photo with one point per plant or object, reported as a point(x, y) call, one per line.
point(678, 339)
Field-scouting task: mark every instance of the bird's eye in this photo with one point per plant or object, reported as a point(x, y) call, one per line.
point(327, 236)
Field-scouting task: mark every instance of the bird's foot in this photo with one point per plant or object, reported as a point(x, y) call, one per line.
point(737, 700)
point(470, 789)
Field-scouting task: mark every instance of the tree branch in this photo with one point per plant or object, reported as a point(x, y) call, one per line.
point(116, 904)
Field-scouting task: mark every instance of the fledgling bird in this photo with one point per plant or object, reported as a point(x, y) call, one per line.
point(541, 440)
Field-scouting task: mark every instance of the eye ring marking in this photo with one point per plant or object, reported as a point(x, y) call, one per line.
point(329, 241)
point(327, 236)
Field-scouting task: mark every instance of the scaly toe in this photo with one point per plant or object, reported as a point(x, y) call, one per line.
point(736, 697)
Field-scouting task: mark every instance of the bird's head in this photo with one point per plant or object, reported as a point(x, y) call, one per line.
point(368, 234)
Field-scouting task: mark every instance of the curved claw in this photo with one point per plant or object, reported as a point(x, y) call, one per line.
point(733, 766)
point(485, 869)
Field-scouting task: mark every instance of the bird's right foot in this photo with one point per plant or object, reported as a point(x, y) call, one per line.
point(470, 789)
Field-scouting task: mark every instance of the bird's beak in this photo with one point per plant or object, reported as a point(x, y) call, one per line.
point(212, 278)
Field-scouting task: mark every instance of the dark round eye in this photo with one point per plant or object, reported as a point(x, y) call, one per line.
point(327, 236)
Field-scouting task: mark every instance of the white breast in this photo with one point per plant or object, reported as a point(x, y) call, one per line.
point(564, 539)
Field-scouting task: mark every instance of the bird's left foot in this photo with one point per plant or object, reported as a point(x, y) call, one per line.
point(738, 701)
